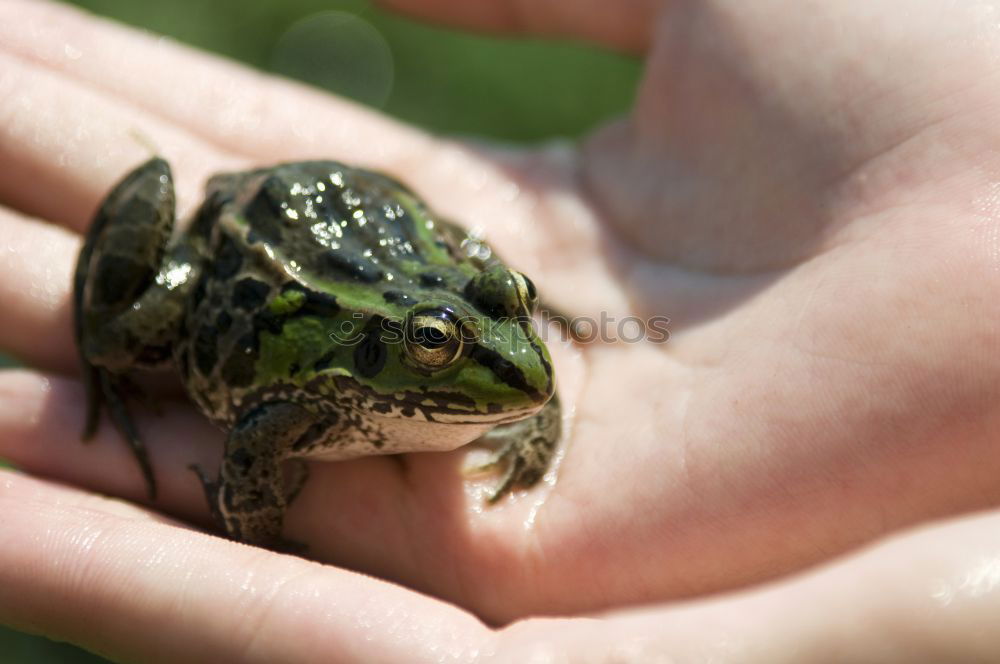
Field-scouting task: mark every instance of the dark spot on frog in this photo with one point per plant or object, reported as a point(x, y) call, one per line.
point(119, 279)
point(266, 320)
point(370, 354)
point(242, 458)
point(381, 407)
point(199, 293)
point(266, 213)
point(408, 411)
point(238, 369)
point(205, 348)
point(321, 305)
point(223, 321)
point(351, 265)
point(228, 259)
point(489, 302)
point(324, 362)
point(397, 297)
point(431, 280)
point(504, 369)
point(249, 293)
point(215, 300)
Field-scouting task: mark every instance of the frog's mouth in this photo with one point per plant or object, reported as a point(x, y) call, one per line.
point(441, 406)
point(445, 408)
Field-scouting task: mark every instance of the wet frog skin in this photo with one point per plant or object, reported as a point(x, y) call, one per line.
point(313, 310)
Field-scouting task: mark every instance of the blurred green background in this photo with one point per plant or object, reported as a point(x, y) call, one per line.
point(514, 90)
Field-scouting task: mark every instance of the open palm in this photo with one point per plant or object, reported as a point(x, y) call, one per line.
point(807, 192)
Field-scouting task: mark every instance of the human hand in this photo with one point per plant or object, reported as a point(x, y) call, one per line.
point(748, 446)
point(124, 582)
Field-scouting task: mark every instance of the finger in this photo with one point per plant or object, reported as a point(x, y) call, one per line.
point(35, 276)
point(237, 109)
point(621, 25)
point(41, 420)
point(927, 596)
point(413, 520)
point(122, 584)
point(529, 202)
point(66, 145)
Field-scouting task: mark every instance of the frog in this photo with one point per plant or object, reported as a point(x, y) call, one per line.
point(314, 311)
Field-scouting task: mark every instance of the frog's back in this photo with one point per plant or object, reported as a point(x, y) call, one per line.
point(315, 244)
point(336, 224)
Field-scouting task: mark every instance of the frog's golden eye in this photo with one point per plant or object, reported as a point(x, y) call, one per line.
point(525, 291)
point(433, 339)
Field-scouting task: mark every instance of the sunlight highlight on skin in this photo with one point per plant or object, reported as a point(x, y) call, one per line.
point(983, 578)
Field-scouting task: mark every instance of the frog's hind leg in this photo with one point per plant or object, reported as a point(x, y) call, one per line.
point(124, 316)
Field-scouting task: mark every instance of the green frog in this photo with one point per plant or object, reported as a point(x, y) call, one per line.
point(313, 311)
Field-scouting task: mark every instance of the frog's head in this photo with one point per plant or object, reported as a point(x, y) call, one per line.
point(468, 357)
point(483, 346)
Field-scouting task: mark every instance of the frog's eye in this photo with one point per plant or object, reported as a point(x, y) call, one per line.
point(525, 291)
point(434, 339)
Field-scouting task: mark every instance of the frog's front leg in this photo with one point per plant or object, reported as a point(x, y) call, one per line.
point(525, 449)
point(249, 498)
point(124, 316)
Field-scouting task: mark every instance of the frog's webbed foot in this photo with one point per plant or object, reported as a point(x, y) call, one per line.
point(274, 543)
point(249, 498)
point(526, 450)
point(525, 462)
point(521, 468)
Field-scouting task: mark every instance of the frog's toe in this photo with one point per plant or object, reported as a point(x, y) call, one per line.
point(521, 463)
point(110, 390)
point(92, 388)
point(296, 472)
point(511, 477)
point(136, 393)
